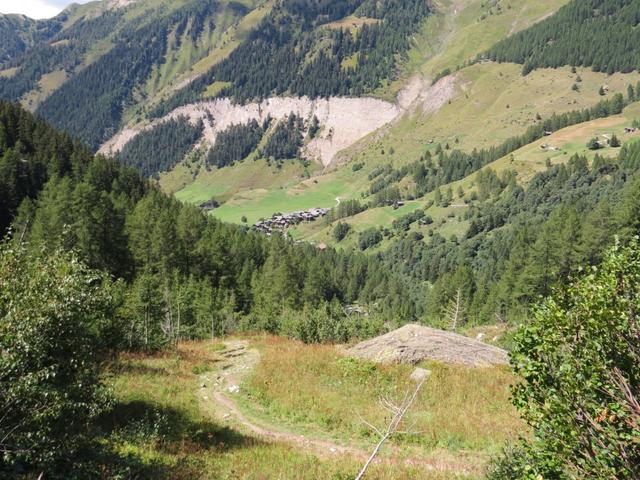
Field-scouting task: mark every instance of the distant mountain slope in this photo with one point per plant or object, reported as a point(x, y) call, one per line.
point(299, 49)
point(62, 52)
point(91, 104)
point(601, 34)
point(19, 33)
point(97, 65)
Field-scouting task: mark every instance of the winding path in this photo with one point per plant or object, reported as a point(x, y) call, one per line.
point(219, 388)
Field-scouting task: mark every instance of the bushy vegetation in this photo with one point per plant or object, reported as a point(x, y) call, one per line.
point(521, 242)
point(434, 170)
point(340, 231)
point(235, 144)
point(290, 53)
point(54, 316)
point(600, 34)
point(346, 208)
point(162, 147)
point(579, 365)
point(369, 238)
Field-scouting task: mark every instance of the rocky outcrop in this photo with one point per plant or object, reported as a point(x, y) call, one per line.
point(412, 344)
point(343, 120)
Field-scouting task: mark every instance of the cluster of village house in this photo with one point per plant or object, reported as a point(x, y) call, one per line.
point(281, 221)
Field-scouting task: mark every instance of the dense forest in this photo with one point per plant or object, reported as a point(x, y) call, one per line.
point(62, 51)
point(283, 141)
point(91, 103)
point(601, 34)
point(523, 241)
point(55, 194)
point(162, 147)
point(19, 33)
point(292, 52)
point(286, 140)
point(235, 143)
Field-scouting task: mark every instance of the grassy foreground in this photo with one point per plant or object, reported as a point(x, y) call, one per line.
point(160, 426)
point(459, 411)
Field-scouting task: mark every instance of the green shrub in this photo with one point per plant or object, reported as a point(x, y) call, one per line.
point(369, 238)
point(579, 365)
point(52, 313)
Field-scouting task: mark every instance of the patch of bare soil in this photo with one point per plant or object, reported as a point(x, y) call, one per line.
point(414, 343)
point(436, 96)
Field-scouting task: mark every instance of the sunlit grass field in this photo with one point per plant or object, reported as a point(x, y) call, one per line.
point(161, 426)
point(459, 411)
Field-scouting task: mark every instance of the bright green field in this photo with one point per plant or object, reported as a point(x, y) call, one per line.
point(222, 184)
point(262, 203)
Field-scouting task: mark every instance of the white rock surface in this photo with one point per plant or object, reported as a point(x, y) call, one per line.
point(343, 120)
point(412, 344)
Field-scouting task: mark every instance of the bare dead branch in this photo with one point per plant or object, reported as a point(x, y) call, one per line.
point(392, 427)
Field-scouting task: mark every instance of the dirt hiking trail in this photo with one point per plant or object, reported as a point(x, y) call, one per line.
point(219, 390)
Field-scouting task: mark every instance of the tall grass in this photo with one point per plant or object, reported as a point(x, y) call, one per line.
point(160, 425)
point(458, 408)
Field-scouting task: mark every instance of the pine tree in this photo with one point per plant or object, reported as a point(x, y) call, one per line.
point(615, 141)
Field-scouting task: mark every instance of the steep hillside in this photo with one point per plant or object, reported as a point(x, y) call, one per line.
point(601, 34)
point(112, 63)
point(439, 39)
point(484, 105)
point(299, 50)
point(341, 120)
point(107, 59)
point(19, 33)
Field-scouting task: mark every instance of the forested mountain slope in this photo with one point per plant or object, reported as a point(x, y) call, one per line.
point(102, 61)
point(109, 65)
point(345, 121)
point(601, 34)
point(298, 50)
point(489, 105)
point(19, 33)
point(56, 195)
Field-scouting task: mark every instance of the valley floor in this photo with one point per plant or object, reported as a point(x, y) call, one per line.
point(264, 407)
